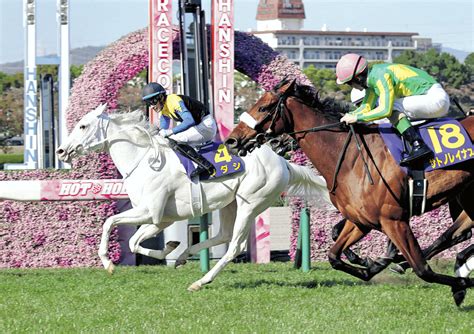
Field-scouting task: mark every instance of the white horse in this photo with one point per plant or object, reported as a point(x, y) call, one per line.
point(159, 189)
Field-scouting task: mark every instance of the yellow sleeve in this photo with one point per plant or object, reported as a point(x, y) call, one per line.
point(171, 106)
point(386, 99)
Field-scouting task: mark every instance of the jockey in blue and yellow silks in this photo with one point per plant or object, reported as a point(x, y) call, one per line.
point(195, 125)
point(400, 91)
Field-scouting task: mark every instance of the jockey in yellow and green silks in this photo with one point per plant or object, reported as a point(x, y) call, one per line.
point(394, 91)
point(194, 123)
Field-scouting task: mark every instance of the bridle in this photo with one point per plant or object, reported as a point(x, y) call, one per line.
point(277, 111)
point(280, 110)
point(104, 143)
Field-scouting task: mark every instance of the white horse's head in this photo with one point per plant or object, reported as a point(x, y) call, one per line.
point(88, 135)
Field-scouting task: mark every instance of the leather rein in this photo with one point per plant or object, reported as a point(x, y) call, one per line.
point(281, 110)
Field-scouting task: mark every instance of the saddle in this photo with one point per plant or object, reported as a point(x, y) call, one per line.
point(449, 142)
point(215, 154)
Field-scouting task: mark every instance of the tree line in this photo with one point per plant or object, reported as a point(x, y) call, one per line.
point(11, 101)
point(456, 77)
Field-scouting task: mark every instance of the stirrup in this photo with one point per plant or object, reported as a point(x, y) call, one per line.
point(416, 156)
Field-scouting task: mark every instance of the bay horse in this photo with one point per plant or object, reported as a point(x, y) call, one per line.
point(160, 190)
point(379, 202)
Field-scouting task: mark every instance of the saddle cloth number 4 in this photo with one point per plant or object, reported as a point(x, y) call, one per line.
point(222, 155)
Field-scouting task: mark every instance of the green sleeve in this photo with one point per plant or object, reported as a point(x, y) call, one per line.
point(386, 94)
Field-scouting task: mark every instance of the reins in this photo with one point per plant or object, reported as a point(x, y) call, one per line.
point(281, 105)
point(317, 128)
point(107, 140)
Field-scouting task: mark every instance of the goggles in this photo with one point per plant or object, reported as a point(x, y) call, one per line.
point(153, 101)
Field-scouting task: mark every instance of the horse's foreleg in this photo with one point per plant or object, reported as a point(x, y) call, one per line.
point(227, 218)
point(348, 236)
point(146, 232)
point(135, 216)
point(402, 236)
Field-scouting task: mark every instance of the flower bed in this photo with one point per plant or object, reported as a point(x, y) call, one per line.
point(50, 234)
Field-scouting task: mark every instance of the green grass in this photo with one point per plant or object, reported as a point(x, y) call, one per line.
point(245, 298)
point(11, 158)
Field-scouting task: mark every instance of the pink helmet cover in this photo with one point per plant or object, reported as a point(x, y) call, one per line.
point(346, 67)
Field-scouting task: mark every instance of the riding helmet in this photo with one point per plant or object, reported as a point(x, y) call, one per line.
point(350, 66)
point(151, 91)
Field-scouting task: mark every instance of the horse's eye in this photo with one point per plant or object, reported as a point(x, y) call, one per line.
point(82, 127)
point(261, 109)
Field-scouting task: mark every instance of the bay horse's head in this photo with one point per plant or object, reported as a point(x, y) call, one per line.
point(265, 119)
point(88, 135)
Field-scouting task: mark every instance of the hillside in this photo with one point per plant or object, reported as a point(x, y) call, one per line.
point(79, 56)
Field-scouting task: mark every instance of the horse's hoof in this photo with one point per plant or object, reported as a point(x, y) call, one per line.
point(111, 268)
point(194, 287)
point(179, 263)
point(459, 297)
point(397, 269)
point(172, 244)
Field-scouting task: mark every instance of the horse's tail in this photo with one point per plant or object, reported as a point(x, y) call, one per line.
point(304, 182)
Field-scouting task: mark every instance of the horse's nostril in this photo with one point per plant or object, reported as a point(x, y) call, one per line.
point(260, 138)
point(59, 151)
point(231, 142)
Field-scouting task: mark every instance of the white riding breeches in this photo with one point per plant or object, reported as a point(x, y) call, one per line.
point(433, 104)
point(198, 134)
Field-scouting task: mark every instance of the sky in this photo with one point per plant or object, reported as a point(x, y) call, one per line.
point(100, 22)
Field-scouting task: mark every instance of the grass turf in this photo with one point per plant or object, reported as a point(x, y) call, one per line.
point(11, 158)
point(245, 298)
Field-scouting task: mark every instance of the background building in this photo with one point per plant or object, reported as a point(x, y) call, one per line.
point(280, 24)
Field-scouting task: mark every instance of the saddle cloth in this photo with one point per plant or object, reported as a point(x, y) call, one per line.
point(447, 138)
point(216, 153)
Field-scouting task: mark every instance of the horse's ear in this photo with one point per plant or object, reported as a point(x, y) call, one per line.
point(100, 109)
point(291, 87)
point(282, 83)
point(287, 87)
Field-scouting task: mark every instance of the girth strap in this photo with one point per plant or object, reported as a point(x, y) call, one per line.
point(417, 192)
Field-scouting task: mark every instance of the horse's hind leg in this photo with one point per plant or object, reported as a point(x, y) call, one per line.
point(245, 216)
point(146, 232)
point(227, 219)
point(458, 232)
point(402, 236)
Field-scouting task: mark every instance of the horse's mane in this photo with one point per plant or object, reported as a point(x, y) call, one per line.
point(330, 108)
point(138, 118)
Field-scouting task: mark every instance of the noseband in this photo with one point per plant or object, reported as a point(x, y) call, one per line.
point(277, 111)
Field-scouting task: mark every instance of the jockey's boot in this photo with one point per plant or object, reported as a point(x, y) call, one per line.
point(419, 151)
point(204, 167)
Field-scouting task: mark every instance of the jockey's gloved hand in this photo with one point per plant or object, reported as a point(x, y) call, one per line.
point(165, 132)
point(349, 118)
